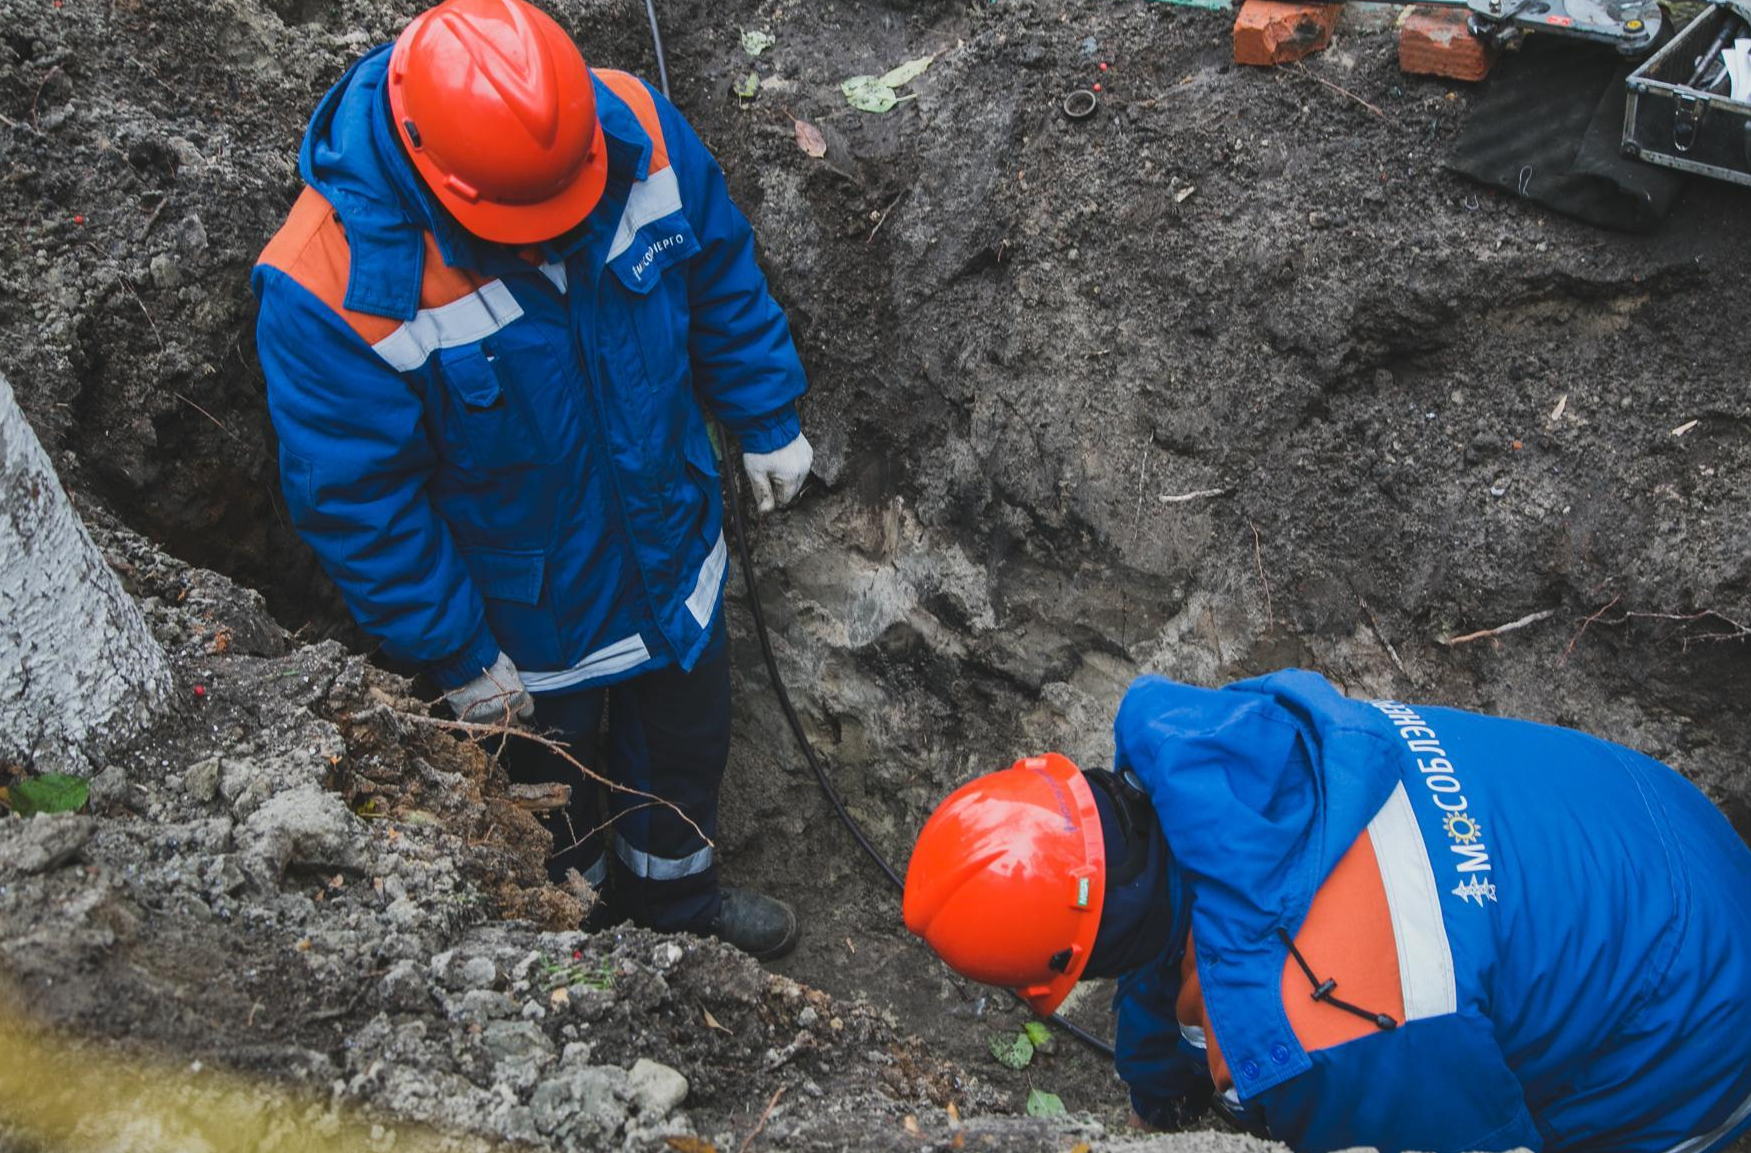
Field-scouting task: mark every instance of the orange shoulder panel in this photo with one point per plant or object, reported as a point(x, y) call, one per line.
point(632, 90)
point(311, 248)
point(1348, 938)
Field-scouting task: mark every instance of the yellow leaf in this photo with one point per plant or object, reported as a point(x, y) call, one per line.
point(713, 1023)
point(690, 1144)
point(911, 1124)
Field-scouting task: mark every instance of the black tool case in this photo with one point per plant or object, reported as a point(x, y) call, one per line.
point(1665, 121)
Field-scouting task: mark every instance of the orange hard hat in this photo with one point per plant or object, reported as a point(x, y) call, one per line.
point(497, 110)
point(1008, 877)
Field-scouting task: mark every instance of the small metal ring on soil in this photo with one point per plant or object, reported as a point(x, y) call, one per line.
point(1080, 104)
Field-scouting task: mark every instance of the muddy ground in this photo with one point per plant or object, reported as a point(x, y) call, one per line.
point(1427, 410)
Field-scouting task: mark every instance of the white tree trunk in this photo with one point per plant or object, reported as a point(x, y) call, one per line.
point(79, 670)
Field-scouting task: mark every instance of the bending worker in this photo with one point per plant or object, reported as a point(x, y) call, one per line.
point(492, 327)
point(1369, 924)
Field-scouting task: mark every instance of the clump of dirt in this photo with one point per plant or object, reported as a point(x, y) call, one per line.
point(1229, 376)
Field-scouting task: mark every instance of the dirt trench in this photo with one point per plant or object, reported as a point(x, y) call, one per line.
point(1416, 409)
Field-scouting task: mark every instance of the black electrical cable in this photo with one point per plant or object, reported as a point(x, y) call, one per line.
point(734, 498)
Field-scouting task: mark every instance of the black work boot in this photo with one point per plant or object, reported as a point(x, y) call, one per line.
point(762, 927)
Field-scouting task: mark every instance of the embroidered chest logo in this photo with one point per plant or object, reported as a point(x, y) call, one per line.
point(1471, 853)
point(651, 252)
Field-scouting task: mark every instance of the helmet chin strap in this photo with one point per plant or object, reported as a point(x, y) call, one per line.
point(1137, 915)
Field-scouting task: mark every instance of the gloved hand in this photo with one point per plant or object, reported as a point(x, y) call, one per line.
point(494, 696)
point(779, 474)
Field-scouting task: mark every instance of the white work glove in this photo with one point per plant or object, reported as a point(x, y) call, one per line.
point(779, 474)
point(495, 695)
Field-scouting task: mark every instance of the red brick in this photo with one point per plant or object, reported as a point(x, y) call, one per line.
point(1268, 32)
point(1438, 42)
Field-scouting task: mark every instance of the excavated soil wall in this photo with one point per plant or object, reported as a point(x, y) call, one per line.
point(1414, 409)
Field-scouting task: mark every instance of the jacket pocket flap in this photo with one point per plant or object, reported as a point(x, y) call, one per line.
point(654, 248)
point(470, 374)
point(506, 574)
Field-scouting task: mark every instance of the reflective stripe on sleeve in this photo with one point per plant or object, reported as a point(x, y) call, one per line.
point(1425, 959)
point(711, 575)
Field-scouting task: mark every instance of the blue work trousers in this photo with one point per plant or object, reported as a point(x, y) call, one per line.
point(668, 735)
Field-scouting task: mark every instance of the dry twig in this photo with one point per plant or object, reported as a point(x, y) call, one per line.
point(1182, 498)
point(1374, 624)
point(1511, 626)
point(47, 76)
point(764, 1115)
point(198, 408)
point(482, 729)
point(886, 212)
point(1258, 556)
point(1576, 639)
point(1340, 90)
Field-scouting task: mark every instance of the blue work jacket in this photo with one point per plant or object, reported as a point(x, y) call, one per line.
point(504, 449)
point(1563, 928)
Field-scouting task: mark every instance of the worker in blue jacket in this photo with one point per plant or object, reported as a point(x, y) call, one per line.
point(1369, 924)
point(493, 326)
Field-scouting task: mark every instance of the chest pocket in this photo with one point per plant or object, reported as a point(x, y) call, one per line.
point(486, 408)
point(653, 270)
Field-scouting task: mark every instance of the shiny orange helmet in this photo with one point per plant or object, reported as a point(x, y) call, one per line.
point(497, 110)
point(1008, 877)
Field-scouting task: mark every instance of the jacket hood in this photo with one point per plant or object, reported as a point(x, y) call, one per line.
point(350, 156)
point(1260, 789)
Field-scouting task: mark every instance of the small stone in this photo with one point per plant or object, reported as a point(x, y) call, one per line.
point(404, 913)
point(403, 987)
point(109, 787)
point(201, 782)
point(45, 842)
point(657, 1088)
point(478, 973)
point(165, 272)
point(515, 1041)
point(666, 956)
point(808, 1017)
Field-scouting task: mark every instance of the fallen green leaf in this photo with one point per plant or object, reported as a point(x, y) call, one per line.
point(747, 86)
point(1013, 1053)
point(1043, 1104)
point(905, 73)
point(869, 94)
point(49, 793)
point(1040, 1036)
point(755, 42)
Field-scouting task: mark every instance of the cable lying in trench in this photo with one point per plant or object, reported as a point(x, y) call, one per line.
point(734, 498)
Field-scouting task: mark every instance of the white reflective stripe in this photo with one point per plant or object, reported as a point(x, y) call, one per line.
point(652, 868)
point(604, 662)
point(1193, 1035)
point(1698, 1144)
point(474, 317)
point(1425, 959)
point(554, 270)
point(705, 589)
point(649, 200)
point(598, 872)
